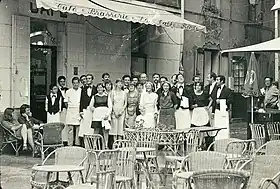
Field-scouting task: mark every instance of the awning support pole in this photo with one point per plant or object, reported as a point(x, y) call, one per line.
point(183, 33)
point(276, 36)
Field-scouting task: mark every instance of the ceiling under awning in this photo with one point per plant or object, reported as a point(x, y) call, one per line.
point(110, 9)
point(267, 46)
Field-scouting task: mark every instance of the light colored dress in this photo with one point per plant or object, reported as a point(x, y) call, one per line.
point(148, 107)
point(72, 98)
point(132, 103)
point(118, 101)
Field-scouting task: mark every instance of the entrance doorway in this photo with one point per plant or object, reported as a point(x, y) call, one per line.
point(43, 66)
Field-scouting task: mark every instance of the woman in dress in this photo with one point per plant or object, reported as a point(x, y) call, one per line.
point(101, 107)
point(108, 87)
point(148, 106)
point(119, 101)
point(167, 103)
point(184, 98)
point(132, 104)
point(20, 130)
point(200, 116)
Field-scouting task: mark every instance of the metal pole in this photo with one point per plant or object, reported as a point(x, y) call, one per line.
point(276, 36)
point(252, 109)
point(183, 32)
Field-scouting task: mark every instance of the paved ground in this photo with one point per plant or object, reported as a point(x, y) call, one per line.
point(16, 171)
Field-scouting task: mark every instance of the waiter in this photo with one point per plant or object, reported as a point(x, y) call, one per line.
point(223, 100)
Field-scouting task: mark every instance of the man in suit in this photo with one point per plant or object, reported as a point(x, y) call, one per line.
point(222, 102)
point(211, 90)
point(156, 82)
point(87, 93)
point(61, 80)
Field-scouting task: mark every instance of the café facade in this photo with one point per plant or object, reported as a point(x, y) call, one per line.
point(44, 39)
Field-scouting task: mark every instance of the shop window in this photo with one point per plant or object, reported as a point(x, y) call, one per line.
point(138, 44)
point(238, 71)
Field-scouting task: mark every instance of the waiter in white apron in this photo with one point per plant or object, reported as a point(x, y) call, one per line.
point(222, 106)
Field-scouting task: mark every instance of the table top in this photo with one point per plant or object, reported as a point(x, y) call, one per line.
point(143, 149)
point(58, 168)
point(203, 129)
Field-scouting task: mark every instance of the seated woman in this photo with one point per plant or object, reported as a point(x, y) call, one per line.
point(26, 117)
point(20, 130)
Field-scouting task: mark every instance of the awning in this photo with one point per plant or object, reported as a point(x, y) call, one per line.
point(276, 6)
point(110, 9)
point(268, 46)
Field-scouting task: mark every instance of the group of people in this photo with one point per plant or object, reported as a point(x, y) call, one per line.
point(108, 108)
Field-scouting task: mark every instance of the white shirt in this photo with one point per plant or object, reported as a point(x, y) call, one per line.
point(72, 97)
point(63, 93)
point(157, 86)
point(89, 90)
point(53, 97)
point(220, 90)
point(212, 87)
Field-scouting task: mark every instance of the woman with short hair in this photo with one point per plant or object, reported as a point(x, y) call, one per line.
point(20, 130)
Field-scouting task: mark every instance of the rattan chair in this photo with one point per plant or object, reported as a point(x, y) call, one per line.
point(9, 138)
point(101, 170)
point(219, 179)
point(62, 156)
point(220, 145)
point(125, 172)
point(273, 130)
point(50, 138)
point(270, 148)
point(258, 134)
point(262, 166)
point(197, 161)
point(94, 142)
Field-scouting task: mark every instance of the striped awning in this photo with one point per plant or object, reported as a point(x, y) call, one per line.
point(123, 11)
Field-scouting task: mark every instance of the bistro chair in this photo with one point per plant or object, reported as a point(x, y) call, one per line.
point(197, 161)
point(62, 156)
point(101, 170)
point(49, 138)
point(264, 166)
point(9, 138)
point(258, 134)
point(125, 172)
point(219, 179)
point(270, 148)
point(273, 130)
point(220, 145)
point(94, 142)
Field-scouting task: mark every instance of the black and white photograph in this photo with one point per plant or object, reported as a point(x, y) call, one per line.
point(139, 94)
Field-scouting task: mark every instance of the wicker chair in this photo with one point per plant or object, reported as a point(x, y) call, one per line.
point(101, 170)
point(197, 161)
point(94, 142)
point(239, 152)
point(9, 138)
point(220, 145)
point(219, 179)
point(274, 130)
point(264, 166)
point(258, 134)
point(50, 139)
point(147, 138)
point(125, 172)
point(62, 156)
point(270, 148)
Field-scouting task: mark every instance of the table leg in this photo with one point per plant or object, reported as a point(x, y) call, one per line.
point(70, 178)
point(48, 181)
point(82, 177)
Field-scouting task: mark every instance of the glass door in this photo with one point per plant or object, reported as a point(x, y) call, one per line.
point(43, 68)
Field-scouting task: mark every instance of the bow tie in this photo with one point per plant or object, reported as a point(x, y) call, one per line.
point(89, 87)
point(219, 87)
point(63, 88)
point(181, 86)
point(53, 96)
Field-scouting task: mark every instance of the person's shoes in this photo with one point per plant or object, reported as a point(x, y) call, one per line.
point(24, 148)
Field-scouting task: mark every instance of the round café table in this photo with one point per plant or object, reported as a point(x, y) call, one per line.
point(59, 169)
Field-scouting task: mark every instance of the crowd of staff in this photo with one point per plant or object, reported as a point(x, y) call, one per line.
point(108, 108)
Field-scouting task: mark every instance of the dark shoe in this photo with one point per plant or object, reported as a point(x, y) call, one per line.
point(24, 148)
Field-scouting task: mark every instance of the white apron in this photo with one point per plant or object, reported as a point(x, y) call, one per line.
point(221, 120)
point(183, 118)
point(73, 116)
point(64, 133)
point(53, 118)
point(200, 116)
point(85, 127)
